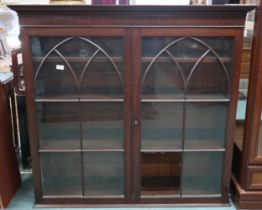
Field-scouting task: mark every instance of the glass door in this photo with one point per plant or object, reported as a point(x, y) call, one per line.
point(184, 103)
point(83, 120)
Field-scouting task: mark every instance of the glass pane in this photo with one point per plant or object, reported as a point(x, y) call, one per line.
point(104, 173)
point(162, 80)
point(218, 83)
point(202, 172)
point(102, 125)
point(61, 173)
point(103, 77)
point(160, 77)
point(74, 65)
point(75, 46)
point(160, 173)
point(58, 125)
point(205, 125)
point(173, 66)
point(161, 126)
point(54, 77)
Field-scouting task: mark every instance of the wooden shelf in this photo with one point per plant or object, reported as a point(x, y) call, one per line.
point(78, 150)
point(186, 60)
point(80, 59)
point(120, 59)
point(188, 98)
point(80, 98)
point(164, 192)
point(154, 146)
point(110, 145)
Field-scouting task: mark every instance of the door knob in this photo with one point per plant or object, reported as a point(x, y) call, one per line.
point(136, 122)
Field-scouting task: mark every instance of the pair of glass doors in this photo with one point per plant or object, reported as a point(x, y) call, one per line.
point(126, 114)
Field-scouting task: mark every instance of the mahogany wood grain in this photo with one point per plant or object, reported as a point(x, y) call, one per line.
point(9, 173)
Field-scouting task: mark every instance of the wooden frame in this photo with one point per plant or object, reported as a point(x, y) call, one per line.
point(254, 101)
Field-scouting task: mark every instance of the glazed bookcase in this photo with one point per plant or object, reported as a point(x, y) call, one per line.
point(131, 104)
point(247, 173)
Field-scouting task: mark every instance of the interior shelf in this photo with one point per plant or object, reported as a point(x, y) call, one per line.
point(188, 98)
point(120, 59)
point(99, 145)
point(165, 192)
point(78, 59)
point(111, 146)
point(186, 60)
point(197, 145)
point(79, 98)
point(205, 150)
point(102, 143)
point(79, 150)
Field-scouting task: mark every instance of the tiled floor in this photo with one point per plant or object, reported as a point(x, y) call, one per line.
point(24, 199)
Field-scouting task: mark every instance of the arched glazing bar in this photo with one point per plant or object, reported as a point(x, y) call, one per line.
point(210, 49)
point(178, 66)
point(79, 82)
point(87, 64)
point(99, 49)
point(162, 51)
point(54, 49)
point(194, 68)
point(192, 71)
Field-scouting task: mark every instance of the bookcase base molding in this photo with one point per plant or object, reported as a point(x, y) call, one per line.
point(246, 199)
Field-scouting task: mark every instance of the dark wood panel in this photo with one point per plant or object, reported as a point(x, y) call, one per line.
point(232, 112)
point(132, 15)
point(254, 102)
point(254, 177)
point(9, 177)
point(245, 199)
